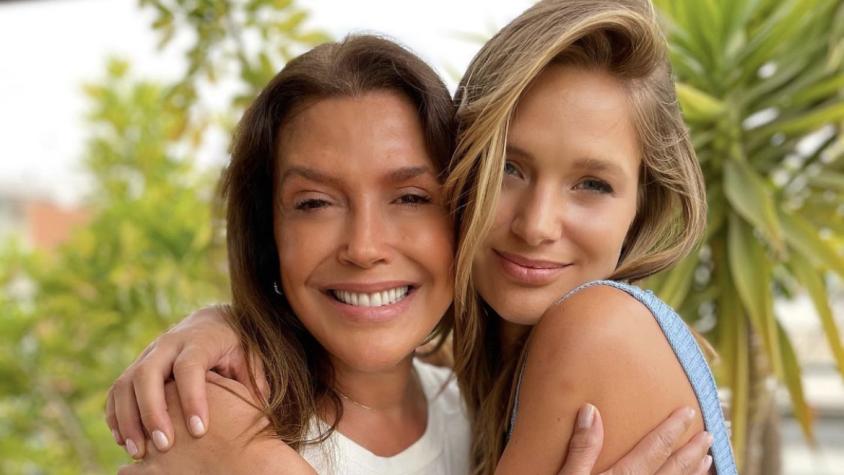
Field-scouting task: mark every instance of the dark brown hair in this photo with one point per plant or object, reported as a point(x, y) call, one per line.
point(295, 364)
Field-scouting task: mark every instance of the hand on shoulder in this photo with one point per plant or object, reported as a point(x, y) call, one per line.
point(235, 442)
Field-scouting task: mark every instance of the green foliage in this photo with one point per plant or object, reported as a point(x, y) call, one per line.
point(760, 83)
point(152, 251)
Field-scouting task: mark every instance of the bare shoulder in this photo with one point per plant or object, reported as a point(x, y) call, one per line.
point(593, 321)
point(601, 346)
point(236, 436)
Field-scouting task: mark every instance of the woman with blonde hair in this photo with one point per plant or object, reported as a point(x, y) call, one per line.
point(573, 165)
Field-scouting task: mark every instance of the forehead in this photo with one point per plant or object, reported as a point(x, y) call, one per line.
point(360, 135)
point(578, 113)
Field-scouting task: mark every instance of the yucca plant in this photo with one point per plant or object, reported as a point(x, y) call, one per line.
point(760, 83)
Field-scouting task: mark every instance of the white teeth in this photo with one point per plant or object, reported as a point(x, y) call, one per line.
point(375, 299)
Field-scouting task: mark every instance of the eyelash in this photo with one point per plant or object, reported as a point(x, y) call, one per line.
point(600, 186)
point(511, 169)
point(410, 199)
point(310, 204)
point(413, 199)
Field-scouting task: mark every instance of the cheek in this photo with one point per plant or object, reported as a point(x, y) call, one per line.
point(611, 222)
point(300, 247)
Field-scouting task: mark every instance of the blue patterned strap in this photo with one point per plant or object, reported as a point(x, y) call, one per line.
point(691, 359)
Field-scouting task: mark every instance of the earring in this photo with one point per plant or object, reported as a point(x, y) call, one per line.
point(276, 289)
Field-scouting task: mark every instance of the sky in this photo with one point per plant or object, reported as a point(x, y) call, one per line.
point(51, 47)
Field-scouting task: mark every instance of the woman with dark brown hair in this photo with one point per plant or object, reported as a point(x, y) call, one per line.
point(336, 164)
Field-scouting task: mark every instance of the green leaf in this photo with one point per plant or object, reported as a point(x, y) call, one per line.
point(813, 282)
point(751, 274)
point(678, 281)
point(751, 198)
point(697, 105)
point(828, 180)
point(803, 237)
point(808, 122)
point(794, 384)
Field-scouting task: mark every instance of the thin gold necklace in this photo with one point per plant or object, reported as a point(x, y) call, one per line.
point(370, 408)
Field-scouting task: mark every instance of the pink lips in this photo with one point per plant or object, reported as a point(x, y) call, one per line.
point(369, 315)
point(529, 271)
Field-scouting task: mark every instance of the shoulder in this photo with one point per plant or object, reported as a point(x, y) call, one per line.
point(600, 345)
point(236, 432)
point(592, 321)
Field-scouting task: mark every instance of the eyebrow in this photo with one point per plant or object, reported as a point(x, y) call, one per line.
point(394, 176)
point(585, 163)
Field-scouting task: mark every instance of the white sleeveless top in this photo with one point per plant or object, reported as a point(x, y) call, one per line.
point(442, 450)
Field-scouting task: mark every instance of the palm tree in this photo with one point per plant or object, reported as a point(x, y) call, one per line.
point(760, 83)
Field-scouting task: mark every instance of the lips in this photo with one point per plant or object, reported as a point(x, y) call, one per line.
point(371, 302)
point(526, 271)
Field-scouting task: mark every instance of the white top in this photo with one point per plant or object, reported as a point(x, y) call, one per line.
point(442, 450)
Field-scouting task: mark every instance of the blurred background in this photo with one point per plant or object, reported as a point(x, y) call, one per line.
point(115, 117)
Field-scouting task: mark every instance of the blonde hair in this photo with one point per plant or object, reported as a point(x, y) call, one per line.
point(622, 38)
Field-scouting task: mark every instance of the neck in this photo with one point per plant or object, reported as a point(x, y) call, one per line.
point(511, 336)
point(384, 411)
point(390, 390)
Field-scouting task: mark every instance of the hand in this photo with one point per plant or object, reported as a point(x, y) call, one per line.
point(135, 403)
point(654, 454)
point(237, 444)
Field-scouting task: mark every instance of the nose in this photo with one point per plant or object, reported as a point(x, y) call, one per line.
point(538, 219)
point(366, 243)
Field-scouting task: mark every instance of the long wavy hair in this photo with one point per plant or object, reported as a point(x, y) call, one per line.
point(296, 366)
point(622, 38)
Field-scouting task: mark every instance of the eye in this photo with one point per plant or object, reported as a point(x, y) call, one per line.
point(510, 168)
point(311, 204)
point(413, 199)
point(595, 185)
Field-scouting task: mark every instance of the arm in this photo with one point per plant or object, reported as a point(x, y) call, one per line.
point(601, 346)
point(234, 445)
point(136, 401)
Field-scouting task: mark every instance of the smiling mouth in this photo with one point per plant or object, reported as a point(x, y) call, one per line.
point(372, 299)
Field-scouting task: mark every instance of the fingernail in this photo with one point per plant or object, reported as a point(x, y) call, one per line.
point(160, 440)
point(196, 425)
point(707, 462)
point(131, 448)
point(690, 413)
point(709, 439)
point(586, 416)
point(116, 436)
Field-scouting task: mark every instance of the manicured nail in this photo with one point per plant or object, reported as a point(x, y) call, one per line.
point(160, 440)
point(116, 436)
point(131, 448)
point(196, 425)
point(586, 416)
point(707, 462)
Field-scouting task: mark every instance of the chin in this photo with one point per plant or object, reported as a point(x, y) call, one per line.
point(376, 355)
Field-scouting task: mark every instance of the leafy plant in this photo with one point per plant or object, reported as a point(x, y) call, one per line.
point(760, 83)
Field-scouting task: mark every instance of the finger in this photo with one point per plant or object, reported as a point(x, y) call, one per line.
point(705, 464)
point(656, 447)
point(128, 419)
point(585, 443)
point(189, 371)
point(240, 373)
point(111, 418)
point(148, 385)
point(689, 458)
